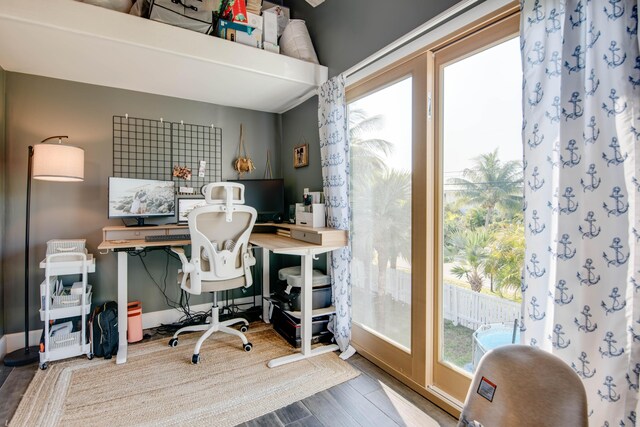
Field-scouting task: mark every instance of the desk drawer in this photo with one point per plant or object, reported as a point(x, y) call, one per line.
point(307, 236)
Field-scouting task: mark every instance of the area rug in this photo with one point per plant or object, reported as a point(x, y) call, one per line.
point(158, 386)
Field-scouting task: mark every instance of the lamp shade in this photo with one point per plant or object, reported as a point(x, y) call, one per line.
point(57, 162)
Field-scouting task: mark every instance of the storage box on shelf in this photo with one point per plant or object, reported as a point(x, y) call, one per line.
point(285, 313)
point(60, 303)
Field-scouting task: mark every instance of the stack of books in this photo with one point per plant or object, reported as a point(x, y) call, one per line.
point(283, 232)
point(254, 6)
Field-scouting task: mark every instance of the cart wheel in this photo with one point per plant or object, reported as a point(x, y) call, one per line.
point(44, 366)
point(248, 347)
point(173, 342)
point(195, 359)
point(244, 328)
point(90, 356)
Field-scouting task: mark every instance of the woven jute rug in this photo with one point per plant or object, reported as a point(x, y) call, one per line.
point(158, 386)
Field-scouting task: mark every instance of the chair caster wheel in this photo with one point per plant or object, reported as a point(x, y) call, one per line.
point(244, 328)
point(248, 347)
point(44, 366)
point(195, 359)
point(173, 342)
point(90, 356)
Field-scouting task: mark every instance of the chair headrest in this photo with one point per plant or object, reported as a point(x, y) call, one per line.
point(219, 193)
point(224, 193)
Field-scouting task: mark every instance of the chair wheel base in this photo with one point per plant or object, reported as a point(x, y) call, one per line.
point(244, 328)
point(248, 347)
point(173, 342)
point(195, 359)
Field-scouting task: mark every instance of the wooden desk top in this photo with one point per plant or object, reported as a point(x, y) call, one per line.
point(288, 245)
point(302, 238)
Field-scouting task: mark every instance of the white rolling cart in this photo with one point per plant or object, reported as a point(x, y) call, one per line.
point(64, 344)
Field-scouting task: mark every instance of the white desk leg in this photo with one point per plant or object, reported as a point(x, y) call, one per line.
point(266, 285)
point(305, 319)
point(122, 307)
point(306, 306)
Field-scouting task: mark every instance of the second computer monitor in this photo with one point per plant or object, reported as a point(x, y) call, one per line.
point(186, 205)
point(266, 196)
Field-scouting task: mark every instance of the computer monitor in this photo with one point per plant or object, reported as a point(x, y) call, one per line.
point(266, 196)
point(140, 199)
point(186, 205)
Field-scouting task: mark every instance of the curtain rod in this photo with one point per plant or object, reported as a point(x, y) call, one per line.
point(431, 24)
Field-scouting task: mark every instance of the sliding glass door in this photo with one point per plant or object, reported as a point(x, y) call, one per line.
point(437, 232)
point(478, 82)
point(384, 124)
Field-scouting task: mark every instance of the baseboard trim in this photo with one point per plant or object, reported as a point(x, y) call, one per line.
point(166, 317)
point(11, 342)
point(15, 341)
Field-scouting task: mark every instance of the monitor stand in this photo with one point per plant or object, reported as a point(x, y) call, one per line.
point(140, 223)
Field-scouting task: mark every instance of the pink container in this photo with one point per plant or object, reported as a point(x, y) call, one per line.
point(134, 321)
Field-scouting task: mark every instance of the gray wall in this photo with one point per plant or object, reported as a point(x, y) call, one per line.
point(346, 32)
point(38, 107)
point(2, 197)
point(343, 34)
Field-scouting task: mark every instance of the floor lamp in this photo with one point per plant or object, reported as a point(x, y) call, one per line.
point(48, 162)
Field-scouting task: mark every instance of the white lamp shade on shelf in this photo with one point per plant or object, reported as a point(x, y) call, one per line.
point(57, 162)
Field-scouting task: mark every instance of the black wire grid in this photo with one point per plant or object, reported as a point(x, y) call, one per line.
point(150, 149)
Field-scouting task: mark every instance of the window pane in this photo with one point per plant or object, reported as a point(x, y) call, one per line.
point(380, 131)
point(483, 235)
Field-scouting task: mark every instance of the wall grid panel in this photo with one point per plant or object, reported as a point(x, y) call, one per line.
point(150, 149)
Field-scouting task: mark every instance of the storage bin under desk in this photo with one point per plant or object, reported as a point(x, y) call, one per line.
point(289, 327)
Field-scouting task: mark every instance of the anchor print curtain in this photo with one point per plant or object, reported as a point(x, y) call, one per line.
point(334, 153)
point(581, 284)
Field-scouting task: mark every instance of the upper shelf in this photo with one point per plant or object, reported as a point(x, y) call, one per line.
point(70, 40)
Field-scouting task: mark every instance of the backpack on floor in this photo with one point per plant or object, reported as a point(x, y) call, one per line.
point(104, 330)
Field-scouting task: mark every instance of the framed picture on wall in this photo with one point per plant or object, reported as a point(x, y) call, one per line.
point(301, 155)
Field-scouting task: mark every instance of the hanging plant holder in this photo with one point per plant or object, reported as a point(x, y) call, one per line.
point(243, 164)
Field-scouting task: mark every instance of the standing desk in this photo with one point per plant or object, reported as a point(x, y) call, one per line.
point(328, 240)
point(305, 242)
point(123, 240)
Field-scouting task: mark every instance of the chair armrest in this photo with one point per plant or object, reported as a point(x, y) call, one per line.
point(187, 267)
point(181, 254)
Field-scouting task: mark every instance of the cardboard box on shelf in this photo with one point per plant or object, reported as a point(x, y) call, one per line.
point(275, 21)
point(253, 39)
point(254, 20)
point(266, 5)
point(235, 32)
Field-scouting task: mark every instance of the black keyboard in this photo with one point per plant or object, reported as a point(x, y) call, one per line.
point(167, 237)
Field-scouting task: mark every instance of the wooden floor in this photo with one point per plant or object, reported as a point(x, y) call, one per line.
point(372, 399)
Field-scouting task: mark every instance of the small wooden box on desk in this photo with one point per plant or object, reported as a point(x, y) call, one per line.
point(318, 236)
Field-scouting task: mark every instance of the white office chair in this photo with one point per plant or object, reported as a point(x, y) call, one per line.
point(220, 256)
point(519, 385)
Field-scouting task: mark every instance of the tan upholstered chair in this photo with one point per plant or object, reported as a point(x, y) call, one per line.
point(519, 385)
point(220, 256)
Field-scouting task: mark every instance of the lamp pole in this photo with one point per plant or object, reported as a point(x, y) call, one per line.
point(28, 354)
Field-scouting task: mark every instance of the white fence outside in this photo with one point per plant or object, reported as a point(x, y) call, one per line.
point(462, 306)
point(472, 309)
